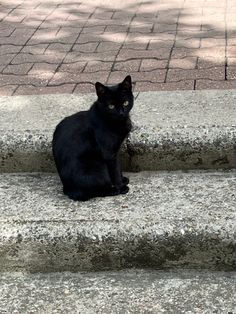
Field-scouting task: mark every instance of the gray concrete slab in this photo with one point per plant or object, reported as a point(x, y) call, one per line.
point(172, 130)
point(167, 220)
point(129, 291)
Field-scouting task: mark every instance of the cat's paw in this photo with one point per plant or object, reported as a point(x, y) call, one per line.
point(124, 189)
point(125, 180)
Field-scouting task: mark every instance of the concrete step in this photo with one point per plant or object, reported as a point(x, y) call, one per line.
point(128, 291)
point(168, 219)
point(172, 130)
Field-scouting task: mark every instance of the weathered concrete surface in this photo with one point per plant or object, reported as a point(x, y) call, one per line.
point(172, 130)
point(133, 291)
point(166, 220)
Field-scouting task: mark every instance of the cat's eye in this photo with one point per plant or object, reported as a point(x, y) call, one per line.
point(111, 106)
point(126, 103)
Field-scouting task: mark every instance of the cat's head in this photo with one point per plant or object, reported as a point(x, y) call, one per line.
point(115, 101)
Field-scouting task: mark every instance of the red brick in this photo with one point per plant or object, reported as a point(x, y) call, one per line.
point(184, 63)
point(7, 90)
point(208, 84)
point(18, 68)
point(217, 73)
point(151, 64)
point(32, 90)
point(128, 66)
point(147, 86)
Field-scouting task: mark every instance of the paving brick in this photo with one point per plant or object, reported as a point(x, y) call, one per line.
point(96, 56)
point(217, 73)
point(9, 49)
point(116, 28)
point(63, 78)
point(7, 90)
point(23, 32)
point(231, 51)
point(32, 90)
point(209, 62)
point(157, 43)
point(94, 29)
point(158, 27)
point(152, 76)
point(231, 61)
point(59, 47)
point(208, 84)
point(115, 37)
point(140, 28)
point(122, 15)
point(100, 14)
point(29, 58)
point(43, 70)
point(6, 31)
point(88, 47)
point(76, 67)
point(84, 88)
point(7, 79)
point(151, 64)
point(6, 58)
point(128, 66)
point(231, 72)
point(212, 42)
point(188, 43)
point(108, 46)
point(78, 16)
point(89, 38)
point(18, 68)
point(184, 63)
point(53, 35)
point(135, 45)
point(94, 66)
point(162, 53)
point(35, 49)
point(147, 86)
point(14, 40)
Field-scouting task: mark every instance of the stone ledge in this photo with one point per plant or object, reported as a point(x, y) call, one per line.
point(172, 130)
point(129, 291)
point(167, 220)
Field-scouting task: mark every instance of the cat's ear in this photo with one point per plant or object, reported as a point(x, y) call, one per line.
point(100, 89)
point(127, 84)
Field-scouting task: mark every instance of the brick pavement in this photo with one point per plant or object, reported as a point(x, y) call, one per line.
point(56, 46)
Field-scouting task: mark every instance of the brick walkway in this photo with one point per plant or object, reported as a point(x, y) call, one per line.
point(65, 46)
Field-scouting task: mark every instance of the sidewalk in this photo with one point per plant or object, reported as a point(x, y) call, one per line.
point(66, 46)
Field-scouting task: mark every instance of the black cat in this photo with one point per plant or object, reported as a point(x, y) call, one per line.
point(86, 144)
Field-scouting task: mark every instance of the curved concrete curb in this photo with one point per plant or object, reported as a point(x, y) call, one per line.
point(166, 220)
point(172, 130)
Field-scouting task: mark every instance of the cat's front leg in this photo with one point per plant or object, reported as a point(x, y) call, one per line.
point(116, 176)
